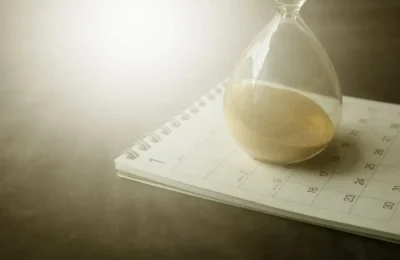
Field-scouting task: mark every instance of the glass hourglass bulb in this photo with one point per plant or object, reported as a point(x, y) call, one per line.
point(283, 103)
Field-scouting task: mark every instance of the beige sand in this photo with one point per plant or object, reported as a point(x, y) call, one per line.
point(277, 125)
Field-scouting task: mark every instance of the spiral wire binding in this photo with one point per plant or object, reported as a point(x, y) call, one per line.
point(143, 144)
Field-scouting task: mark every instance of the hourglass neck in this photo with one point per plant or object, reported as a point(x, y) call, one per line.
point(289, 8)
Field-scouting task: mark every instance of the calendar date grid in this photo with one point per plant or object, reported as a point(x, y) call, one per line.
point(387, 205)
point(347, 193)
point(351, 198)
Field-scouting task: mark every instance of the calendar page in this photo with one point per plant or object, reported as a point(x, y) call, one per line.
point(353, 185)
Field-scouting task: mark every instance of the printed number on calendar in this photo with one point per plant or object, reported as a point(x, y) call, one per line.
point(388, 205)
point(349, 198)
point(312, 190)
point(370, 166)
point(360, 181)
point(154, 160)
point(396, 188)
point(323, 173)
point(379, 152)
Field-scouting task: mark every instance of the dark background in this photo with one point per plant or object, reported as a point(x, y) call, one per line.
point(68, 105)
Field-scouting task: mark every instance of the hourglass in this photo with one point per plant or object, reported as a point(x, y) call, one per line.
point(283, 102)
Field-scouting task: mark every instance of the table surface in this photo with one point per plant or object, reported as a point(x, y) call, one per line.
point(67, 111)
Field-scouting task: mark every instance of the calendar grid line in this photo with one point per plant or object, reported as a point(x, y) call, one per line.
point(219, 164)
point(327, 208)
point(398, 203)
point(385, 181)
point(322, 188)
point(248, 176)
point(351, 173)
point(337, 191)
point(366, 184)
point(344, 193)
point(360, 195)
point(367, 197)
point(363, 216)
point(284, 182)
point(394, 212)
point(292, 201)
point(388, 165)
point(380, 199)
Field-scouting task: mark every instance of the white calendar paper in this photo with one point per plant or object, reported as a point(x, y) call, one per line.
point(354, 185)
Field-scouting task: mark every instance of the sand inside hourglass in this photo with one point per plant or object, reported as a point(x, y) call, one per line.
point(277, 124)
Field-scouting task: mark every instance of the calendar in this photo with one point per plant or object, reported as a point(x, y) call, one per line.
point(353, 185)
